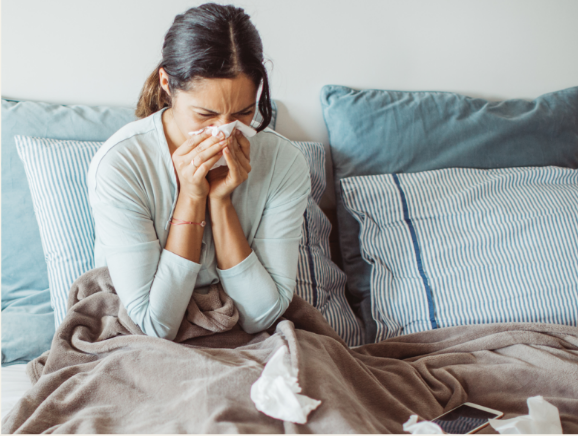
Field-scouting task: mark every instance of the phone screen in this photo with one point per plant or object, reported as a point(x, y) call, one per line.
point(463, 419)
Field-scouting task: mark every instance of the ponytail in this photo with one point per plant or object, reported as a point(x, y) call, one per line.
point(152, 97)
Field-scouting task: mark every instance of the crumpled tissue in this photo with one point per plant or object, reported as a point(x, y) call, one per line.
point(276, 392)
point(542, 418)
point(227, 129)
point(423, 427)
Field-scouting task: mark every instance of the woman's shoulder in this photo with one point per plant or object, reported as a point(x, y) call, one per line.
point(275, 150)
point(123, 153)
point(282, 163)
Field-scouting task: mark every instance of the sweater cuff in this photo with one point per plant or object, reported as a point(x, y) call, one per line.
point(170, 259)
point(240, 268)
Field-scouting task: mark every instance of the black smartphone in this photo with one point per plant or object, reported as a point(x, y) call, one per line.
point(466, 418)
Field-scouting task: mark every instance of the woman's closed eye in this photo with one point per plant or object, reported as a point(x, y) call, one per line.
point(241, 114)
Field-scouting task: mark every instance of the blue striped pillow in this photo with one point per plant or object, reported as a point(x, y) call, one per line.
point(56, 172)
point(467, 246)
point(319, 281)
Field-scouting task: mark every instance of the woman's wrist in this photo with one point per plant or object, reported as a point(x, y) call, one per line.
point(231, 246)
point(219, 202)
point(190, 208)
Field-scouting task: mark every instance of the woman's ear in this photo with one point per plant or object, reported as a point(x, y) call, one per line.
point(164, 80)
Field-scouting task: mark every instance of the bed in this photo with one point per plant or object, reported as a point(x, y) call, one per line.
point(455, 278)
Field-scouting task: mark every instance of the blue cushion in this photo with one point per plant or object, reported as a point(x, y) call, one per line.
point(27, 328)
point(24, 271)
point(467, 246)
point(56, 172)
point(319, 281)
point(378, 132)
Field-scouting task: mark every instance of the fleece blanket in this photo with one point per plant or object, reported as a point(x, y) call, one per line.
point(103, 375)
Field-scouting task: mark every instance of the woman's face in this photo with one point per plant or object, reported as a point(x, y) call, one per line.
point(212, 102)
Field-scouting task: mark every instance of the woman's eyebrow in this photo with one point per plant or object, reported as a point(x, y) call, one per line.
point(213, 112)
point(248, 107)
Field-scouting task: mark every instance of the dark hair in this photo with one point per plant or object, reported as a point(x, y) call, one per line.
point(210, 41)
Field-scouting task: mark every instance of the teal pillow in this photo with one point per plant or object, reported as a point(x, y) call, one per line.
point(27, 328)
point(27, 321)
point(382, 132)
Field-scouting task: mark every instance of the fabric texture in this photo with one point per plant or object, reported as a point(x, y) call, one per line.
point(381, 132)
point(319, 281)
point(115, 380)
point(56, 173)
point(15, 383)
point(465, 246)
point(27, 328)
point(26, 318)
point(132, 212)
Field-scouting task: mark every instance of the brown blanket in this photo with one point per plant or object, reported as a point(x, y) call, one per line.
point(102, 375)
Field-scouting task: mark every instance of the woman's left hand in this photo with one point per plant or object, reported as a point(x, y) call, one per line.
point(224, 180)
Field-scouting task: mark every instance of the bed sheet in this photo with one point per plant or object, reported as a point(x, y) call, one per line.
point(15, 383)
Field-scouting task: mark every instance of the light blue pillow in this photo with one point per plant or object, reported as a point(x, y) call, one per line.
point(56, 172)
point(23, 266)
point(468, 246)
point(27, 321)
point(27, 328)
point(319, 281)
point(381, 132)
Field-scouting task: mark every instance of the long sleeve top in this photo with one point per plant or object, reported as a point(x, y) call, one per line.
point(133, 192)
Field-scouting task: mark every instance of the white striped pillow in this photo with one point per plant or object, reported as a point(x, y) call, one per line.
point(319, 281)
point(465, 246)
point(56, 172)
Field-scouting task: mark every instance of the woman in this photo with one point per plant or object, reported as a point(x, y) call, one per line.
point(166, 223)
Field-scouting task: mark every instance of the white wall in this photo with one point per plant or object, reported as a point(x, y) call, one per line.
point(101, 51)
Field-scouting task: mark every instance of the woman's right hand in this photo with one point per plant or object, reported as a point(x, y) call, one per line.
point(194, 159)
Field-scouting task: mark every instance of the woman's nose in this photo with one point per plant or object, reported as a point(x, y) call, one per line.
point(225, 119)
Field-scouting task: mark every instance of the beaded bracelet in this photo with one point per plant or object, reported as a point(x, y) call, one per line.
point(202, 223)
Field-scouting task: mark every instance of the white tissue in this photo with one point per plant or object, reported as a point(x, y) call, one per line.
point(423, 427)
point(543, 418)
point(227, 129)
point(276, 392)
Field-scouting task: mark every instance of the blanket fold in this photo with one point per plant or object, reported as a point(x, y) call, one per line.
point(103, 375)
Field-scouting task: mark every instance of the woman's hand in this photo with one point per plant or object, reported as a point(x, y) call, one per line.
point(193, 160)
point(224, 180)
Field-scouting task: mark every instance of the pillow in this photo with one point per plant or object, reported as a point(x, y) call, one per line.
point(56, 172)
point(27, 328)
point(319, 281)
point(377, 132)
point(467, 246)
point(26, 319)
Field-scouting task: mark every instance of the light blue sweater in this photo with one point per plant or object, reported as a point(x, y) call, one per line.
point(133, 192)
